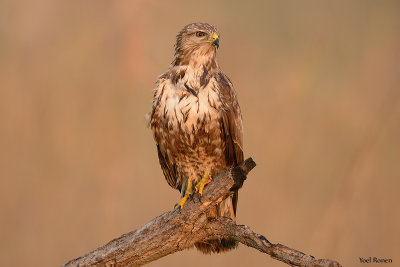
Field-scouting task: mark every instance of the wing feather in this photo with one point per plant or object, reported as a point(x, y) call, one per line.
point(168, 167)
point(231, 124)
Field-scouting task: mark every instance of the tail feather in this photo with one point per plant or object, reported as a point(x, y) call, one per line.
point(226, 208)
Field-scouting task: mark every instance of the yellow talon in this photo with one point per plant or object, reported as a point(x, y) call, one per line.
point(200, 185)
point(188, 193)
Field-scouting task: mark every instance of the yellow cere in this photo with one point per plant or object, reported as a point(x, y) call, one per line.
point(214, 36)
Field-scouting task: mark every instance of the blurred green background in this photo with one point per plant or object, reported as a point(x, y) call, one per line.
point(319, 87)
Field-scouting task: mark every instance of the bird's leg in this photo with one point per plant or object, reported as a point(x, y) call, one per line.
point(188, 193)
point(200, 185)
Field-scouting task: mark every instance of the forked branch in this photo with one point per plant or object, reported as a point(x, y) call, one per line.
point(178, 230)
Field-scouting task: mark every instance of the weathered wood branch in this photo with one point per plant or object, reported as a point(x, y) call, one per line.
point(178, 230)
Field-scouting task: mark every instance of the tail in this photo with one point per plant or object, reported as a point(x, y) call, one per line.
point(227, 208)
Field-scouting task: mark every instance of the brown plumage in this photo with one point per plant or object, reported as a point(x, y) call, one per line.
point(196, 120)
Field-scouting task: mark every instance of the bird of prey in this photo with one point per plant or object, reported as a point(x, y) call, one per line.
point(197, 123)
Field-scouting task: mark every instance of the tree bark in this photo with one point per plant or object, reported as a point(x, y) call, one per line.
point(179, 229)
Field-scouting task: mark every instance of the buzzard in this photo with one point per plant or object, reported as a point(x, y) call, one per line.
point(197, 123)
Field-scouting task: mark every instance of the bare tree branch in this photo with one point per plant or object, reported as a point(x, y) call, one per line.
point(178, 230)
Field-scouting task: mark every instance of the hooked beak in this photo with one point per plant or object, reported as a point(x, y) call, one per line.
point(215, 40)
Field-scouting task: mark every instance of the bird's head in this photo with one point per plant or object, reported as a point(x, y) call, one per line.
point(196, 43)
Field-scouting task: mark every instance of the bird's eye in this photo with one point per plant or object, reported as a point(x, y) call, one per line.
point(200, 34)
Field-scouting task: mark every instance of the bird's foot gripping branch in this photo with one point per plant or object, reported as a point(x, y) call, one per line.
point(177, 230)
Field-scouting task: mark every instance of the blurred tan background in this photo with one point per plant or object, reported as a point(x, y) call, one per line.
point(319, 87)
